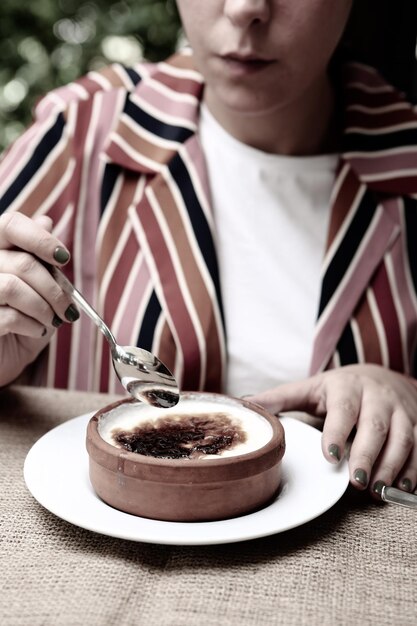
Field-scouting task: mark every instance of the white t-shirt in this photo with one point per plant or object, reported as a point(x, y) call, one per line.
point(271, 214)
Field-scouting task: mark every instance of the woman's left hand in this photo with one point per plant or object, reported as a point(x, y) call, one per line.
point(377, 404)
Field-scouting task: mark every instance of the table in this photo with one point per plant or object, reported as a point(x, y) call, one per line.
point(354, 565)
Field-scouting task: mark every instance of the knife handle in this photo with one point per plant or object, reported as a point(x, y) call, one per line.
point(396, 496)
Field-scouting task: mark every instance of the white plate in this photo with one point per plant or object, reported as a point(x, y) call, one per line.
point(56, 473)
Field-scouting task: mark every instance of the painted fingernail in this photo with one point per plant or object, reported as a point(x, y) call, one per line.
point(72, 314)
point(361, 477)
point(61, 255)
point(57, 321)
point(378, 487)
point(334, 451)
point(406, 485)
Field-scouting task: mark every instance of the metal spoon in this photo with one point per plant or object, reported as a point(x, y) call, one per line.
point(141, 373)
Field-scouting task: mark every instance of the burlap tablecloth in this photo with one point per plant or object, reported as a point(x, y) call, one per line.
point(354, 565)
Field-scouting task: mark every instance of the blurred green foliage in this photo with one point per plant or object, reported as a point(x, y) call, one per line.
point(46, 43)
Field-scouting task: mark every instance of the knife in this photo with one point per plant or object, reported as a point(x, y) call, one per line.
point(396, 496)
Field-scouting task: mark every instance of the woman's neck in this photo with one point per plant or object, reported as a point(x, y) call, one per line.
point(301, 128)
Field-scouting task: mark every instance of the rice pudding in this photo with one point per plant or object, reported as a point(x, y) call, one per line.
point(190, 430)
point(209, 457)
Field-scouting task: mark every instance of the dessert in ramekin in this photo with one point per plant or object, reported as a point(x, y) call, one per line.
point(210, 457)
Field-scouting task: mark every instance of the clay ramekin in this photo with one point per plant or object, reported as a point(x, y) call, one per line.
point(184, 489)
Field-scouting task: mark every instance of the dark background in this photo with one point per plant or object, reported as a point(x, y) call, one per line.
point(383, 33)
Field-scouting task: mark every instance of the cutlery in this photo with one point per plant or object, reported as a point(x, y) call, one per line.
point(141, 373)
point(397, 496)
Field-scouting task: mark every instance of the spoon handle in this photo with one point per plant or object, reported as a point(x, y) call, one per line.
point(69, 288)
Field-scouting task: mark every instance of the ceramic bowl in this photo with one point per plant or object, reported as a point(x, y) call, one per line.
point(210, 486)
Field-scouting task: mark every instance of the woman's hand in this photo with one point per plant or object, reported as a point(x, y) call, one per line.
point(379, 405)
point(32, 305)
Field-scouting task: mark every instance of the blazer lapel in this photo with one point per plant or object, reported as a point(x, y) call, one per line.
point(361, 231)
point(157, 116)
point(175, 232)
point(155, 136)
point(378, 164)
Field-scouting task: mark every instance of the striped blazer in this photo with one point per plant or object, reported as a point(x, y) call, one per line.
point(114, 158)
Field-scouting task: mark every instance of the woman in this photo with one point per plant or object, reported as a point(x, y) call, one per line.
point(195, 201)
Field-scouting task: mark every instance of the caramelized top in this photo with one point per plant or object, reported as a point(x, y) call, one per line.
point(182, 436)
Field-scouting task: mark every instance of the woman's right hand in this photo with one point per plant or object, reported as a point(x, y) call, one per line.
point(32, 305)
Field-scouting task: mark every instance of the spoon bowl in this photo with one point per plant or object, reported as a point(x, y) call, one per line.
point(141, 373)
point(145, 377)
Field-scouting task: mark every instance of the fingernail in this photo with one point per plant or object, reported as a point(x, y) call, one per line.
point(57, 321)
point(406, 485)
point(361, 477)
point(72, 314)
point(61, 255)
point(378, 487)
point(334, 451)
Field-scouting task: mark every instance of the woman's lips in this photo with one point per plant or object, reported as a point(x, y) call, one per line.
point(241, 65)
